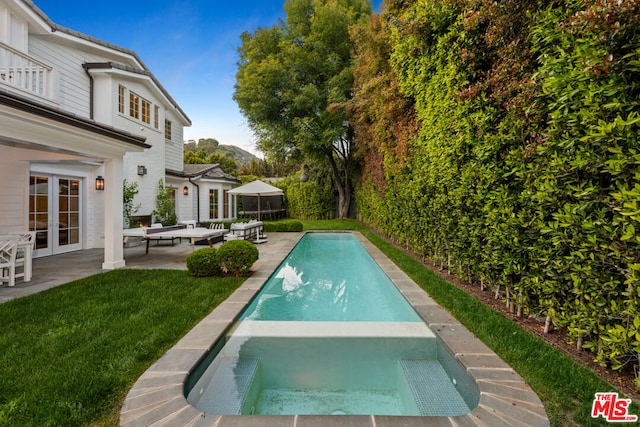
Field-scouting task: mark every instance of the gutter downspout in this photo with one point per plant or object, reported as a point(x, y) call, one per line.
point(86, 70)
point(197, 198)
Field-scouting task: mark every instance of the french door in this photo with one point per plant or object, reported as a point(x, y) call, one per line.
point(55, 213)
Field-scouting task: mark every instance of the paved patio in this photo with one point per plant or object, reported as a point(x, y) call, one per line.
point(52, 271)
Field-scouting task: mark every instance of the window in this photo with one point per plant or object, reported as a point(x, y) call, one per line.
point(121, 99)
point(167, 129)
point(134, 105)
point(172, 197)
point(156, 116)
point(225, 201)
point(146, 111)
point(213, 204)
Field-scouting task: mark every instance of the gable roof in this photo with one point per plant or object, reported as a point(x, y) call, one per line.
point(144, 70)
point(203, 171)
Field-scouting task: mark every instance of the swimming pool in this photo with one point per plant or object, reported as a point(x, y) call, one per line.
point(330, 277)
point(329, 333)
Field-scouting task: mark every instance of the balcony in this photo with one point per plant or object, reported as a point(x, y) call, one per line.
point(20, 71)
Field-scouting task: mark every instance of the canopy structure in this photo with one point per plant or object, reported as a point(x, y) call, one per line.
point(257, 188)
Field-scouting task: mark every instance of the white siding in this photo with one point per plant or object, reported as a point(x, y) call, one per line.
point(185, 205)
point(13, 196)
point(175, 146)
point(71, 89)
point(73, 83)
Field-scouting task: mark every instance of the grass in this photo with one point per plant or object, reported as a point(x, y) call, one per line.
point(68, 356)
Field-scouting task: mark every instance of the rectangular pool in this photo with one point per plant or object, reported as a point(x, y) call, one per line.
point(329, 333)
point(330, 277)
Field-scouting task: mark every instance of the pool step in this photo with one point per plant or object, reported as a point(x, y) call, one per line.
point(434, 393)
point(229, 387)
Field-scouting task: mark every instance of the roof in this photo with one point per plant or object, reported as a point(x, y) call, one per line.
point(28, 105)
point(203, 171)
point(144, 70)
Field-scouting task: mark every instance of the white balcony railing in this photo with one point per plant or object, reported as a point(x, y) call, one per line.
point(21, 71)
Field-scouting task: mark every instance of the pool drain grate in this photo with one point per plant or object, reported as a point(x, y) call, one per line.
point(433, 391)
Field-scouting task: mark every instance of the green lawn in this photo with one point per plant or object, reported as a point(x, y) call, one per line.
point(69, 355)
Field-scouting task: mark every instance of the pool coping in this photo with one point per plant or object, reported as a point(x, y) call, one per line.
point(157, 398)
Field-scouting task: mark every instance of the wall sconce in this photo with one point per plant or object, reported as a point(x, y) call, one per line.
point(99, 183)
point(142, 170)
point(185, 191)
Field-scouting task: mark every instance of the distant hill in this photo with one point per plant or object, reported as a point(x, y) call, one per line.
point(211, 145)
point(242, 156)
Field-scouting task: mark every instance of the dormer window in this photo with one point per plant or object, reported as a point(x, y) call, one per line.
point(146, 110)
point(134, 105)
point(156, 116)
point(121, 98)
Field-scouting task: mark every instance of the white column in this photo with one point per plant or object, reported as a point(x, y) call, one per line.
point(113, 216)
point(234, 206)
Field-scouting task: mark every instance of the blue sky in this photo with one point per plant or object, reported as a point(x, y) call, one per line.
point(190, 46)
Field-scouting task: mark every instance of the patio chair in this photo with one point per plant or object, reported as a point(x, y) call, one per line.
point(26, 242)
point(8, 249)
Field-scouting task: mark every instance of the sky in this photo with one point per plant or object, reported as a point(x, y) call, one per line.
point(189, 45)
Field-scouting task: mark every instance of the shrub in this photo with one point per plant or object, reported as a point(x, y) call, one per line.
point(204, 263)
point(294, 226)
point(281, 226)
point(310, 200)
point(237, 256)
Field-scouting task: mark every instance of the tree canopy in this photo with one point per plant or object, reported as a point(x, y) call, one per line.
point(293, 81)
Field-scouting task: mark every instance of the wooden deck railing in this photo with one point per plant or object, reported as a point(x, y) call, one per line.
point(21, 71)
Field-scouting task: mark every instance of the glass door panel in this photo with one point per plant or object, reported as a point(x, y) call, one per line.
point(54, 214)
point(39, 208)
point(68, 214)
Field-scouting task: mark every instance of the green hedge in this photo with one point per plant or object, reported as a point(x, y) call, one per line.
point(280, 226)
point(310, 201)
point(524, 174)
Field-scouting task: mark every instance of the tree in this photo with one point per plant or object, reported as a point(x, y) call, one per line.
point(228, 164)
point(293, 81)
point(129, 191)
point(165, 211)
point(209, 145)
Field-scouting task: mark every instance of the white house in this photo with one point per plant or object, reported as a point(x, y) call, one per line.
point(77, 117)
point(203, 193)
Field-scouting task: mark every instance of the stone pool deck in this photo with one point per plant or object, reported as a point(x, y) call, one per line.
point(157, 398)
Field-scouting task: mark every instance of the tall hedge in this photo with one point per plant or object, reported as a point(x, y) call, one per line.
point(309, 201)
point(523, 175)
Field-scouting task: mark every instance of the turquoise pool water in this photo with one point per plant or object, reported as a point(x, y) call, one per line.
point(329, 333)
point(330, 277)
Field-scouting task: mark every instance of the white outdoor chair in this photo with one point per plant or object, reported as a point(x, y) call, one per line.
point(8, 249)
point(26, 241)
